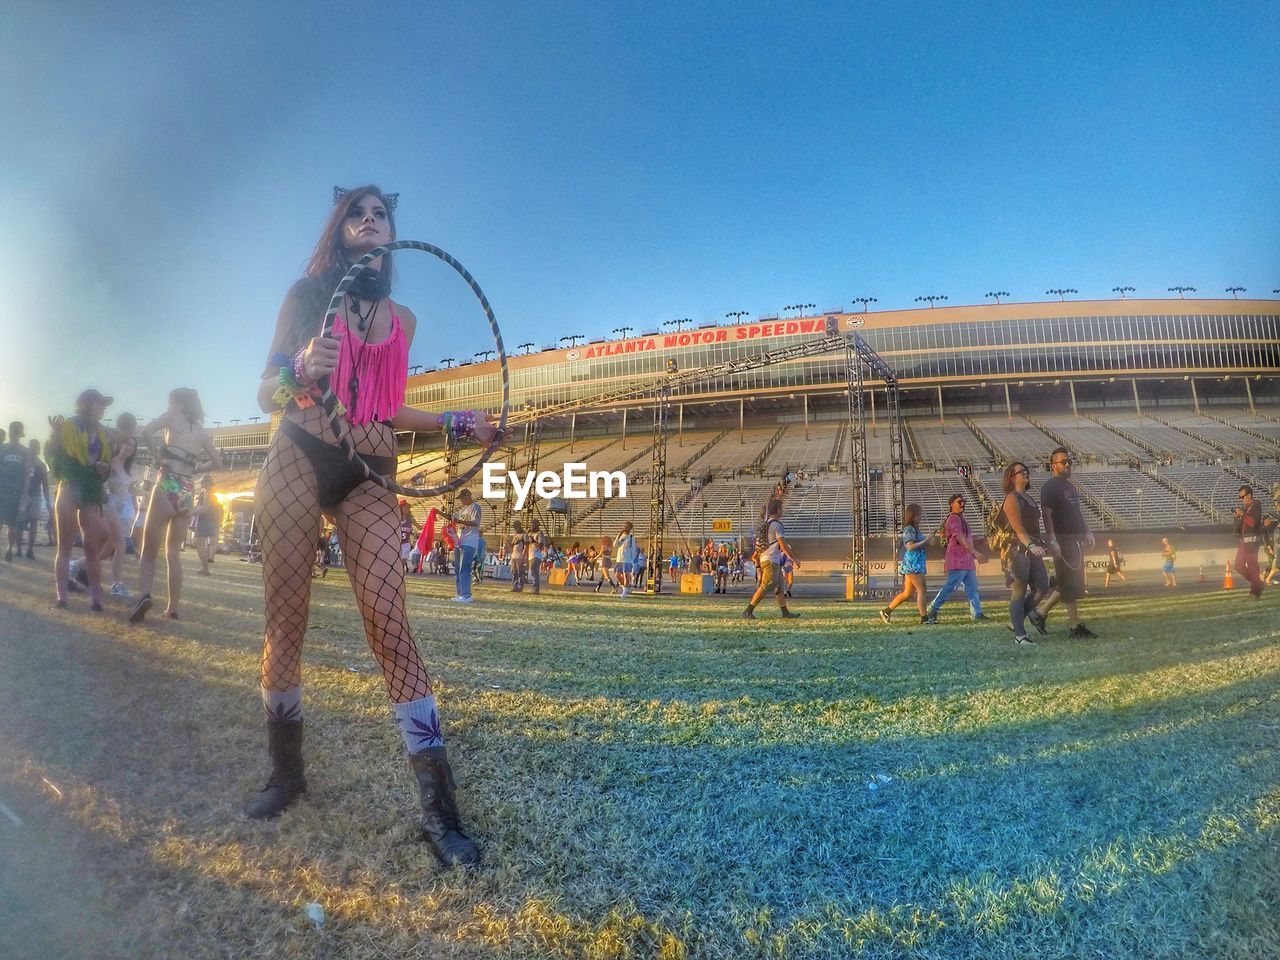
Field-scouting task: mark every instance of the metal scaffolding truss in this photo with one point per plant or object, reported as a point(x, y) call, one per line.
point(858, 354)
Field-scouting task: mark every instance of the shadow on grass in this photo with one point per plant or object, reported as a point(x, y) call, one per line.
point(576, 811)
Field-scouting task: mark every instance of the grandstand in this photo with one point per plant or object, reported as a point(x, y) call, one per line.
point(1185, 419)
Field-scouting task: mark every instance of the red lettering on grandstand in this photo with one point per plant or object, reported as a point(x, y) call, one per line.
point(754, 331)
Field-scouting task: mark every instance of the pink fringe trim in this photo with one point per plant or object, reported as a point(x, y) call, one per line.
point(383, 371)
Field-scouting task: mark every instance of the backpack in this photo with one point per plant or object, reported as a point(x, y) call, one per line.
point(999, 533)
point(763, 542)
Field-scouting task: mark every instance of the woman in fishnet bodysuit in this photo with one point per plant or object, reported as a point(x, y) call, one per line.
point(306, 477)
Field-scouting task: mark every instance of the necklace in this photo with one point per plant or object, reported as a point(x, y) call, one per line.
point(362, 320)
point(366, 326)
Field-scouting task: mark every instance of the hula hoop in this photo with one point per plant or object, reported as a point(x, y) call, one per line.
point(330, 402)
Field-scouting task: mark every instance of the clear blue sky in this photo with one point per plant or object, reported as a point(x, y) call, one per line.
point(166, 171)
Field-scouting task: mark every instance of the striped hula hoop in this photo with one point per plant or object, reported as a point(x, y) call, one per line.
point(330, 402)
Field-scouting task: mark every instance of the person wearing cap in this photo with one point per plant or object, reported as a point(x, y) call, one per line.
point(15, 475)
point(79, 452)
point(958, 562)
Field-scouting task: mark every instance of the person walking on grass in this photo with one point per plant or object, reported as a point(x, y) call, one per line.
point(1113, 565)
point(773, 549)
point(468, 519)
point(519, 554)
point(1168, 557)
point(1068, 537)
point(37, 493)
point(537, 546)
point(208, 525)
point(15, 477)
point(1248, 527)
point(912, 565)
point(624, 553)
point(1269, 547)
point(185, 448)
point(958, 562)
point(79, 451)
point(606, 566)
point(1027, 549)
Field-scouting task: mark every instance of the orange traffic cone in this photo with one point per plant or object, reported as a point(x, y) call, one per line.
point(1227, 582)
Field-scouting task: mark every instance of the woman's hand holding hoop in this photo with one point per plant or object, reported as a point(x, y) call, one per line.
point(320, 358)
point(485, 430)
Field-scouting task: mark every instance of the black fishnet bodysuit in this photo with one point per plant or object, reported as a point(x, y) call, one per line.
point(368, 525)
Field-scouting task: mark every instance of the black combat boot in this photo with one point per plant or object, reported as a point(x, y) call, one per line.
point(286, 783)
point(440, 822)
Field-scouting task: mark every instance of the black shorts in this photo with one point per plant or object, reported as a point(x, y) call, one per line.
point(9, 513)
point(1070, 567)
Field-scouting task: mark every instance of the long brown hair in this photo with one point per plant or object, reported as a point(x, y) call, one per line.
point(189, 402)
point(1006, 482)
point(911, 515)
point(330, 259)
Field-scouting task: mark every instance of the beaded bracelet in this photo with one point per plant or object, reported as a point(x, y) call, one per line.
point(458, 424)
point(292, 388)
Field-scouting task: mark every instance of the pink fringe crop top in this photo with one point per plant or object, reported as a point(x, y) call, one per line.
point(382, 370)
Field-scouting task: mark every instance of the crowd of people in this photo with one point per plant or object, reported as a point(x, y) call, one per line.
point(94, 502)
point(1023, 533)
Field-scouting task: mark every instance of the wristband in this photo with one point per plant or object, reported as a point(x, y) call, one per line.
point(299, 367)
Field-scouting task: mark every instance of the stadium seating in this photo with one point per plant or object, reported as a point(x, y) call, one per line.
point(939, 445)
point(1091, 442)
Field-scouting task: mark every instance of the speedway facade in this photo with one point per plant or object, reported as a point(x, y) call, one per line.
point(932, 349)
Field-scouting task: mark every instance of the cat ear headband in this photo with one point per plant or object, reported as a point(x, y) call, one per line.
point(390, 199)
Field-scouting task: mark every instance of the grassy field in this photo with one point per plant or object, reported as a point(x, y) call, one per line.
point(649, 778)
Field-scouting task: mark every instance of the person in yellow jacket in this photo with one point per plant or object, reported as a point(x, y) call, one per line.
point(79, 453)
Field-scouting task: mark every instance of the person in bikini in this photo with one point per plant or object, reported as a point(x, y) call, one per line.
point(179, 457)
point(307, 476)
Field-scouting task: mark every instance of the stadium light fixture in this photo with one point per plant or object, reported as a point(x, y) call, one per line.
point(414, 368)
point(1123, 291)
point(217, 423)
point(865, 301)
point(623, 331)
point(1235, 292)
point(526, 347)
point(735, 316)
point(482, 354)
point(573, 339)
point(677, 323)
point(234, 423)
point(1180, 291)
point(254, 419)
point(1062, 292)
point(448, 362)
point(931, 299)
point(996, 294)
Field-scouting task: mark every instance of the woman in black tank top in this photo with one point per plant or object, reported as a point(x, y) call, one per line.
point(1026, 557)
